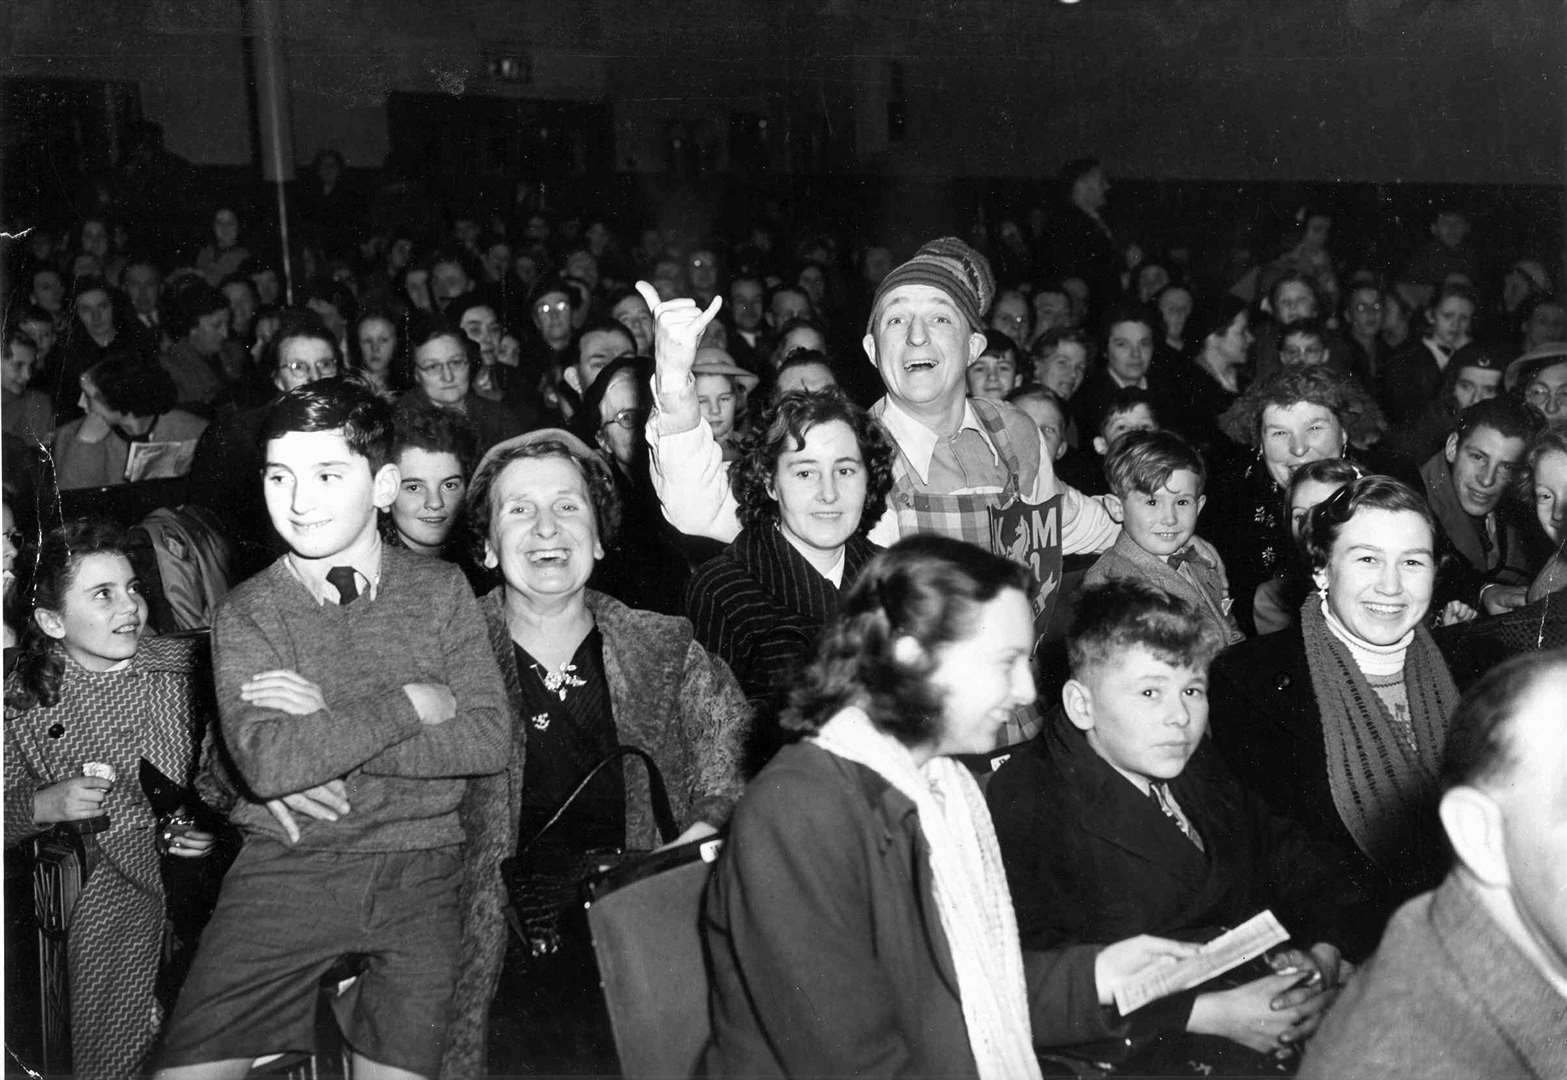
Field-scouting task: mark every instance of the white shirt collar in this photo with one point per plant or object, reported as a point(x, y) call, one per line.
point(312, 575)
point(918, 442)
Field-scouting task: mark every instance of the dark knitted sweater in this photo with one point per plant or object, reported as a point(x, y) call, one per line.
point(404, 779)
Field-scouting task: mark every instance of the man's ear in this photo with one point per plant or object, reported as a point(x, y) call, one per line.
point(1078, 701)
point(1475, 828)
point(1101, 447)
point(573, 380)
point(868, 343)
point(1061, 449)
point(1450, 450)
point(976, 346)
point(50, 622)
point(384, 485)
point(1202, 501)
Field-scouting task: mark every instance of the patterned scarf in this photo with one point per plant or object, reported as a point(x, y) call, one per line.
point(970, 890)
point(1383, 788)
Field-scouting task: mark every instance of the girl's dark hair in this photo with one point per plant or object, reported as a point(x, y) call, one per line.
point(192, 301)
point(356, 357)
point(1328, 518)
point(40, 663)
point(595, 473)
point(928, 588)
point(437, 431)
point(781, 429)
point(133, 384)
point(1213, 316)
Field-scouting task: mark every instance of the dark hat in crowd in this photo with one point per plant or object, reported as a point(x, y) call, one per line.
point(953, 267)
point(1477, 355)
point(1526, 366)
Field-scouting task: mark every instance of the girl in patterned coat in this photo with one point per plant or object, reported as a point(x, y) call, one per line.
point(87, 702)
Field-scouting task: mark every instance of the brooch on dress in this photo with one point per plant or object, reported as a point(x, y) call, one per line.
point(561, 680)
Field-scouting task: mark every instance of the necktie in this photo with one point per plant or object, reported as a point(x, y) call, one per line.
point(343, 579)
point(1180, 557)
point(1156, 792)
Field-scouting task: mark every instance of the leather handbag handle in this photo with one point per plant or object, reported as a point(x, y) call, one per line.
point(663, 816)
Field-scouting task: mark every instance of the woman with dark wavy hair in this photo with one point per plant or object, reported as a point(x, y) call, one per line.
point(859, 921)
point(811, 480)
point(1339, 720)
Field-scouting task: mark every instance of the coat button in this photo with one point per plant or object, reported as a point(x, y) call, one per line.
point(56, 731)
point(1282, 681)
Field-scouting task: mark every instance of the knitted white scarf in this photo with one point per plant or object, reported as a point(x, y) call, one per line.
point(970, 888)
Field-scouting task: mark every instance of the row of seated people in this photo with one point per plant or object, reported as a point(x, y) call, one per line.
point(925, 304)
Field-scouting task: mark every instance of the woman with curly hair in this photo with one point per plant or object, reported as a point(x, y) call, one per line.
point(1298, 416)
point(811, 480)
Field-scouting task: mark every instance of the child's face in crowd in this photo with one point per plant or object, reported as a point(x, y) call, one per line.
point(1450, 322)
point(1138, 418)
point(1303, 350)
point(1162, 522)
point(429, 497)
point(96, 311)
point(1130, 350)
point(806, 377)
point(441, 367)
point(1307, 495)
point(1547, 323)
point(483, 328)
point(42, 334)
point(1176, 307)
point(16, 370)
point(1010, 316)
point(716, 395)
point(1474, 384)
point(1063, 370)
point(543, 534)
point(1293, 302)
point(1483, 466)
point(1051, 421)
point(102, 614)
point(320, 494)
point(1550, 494)
point(992, 376)
point(1296, 434)
point(820, 488)
point(632, 313)
point(302, 360)
point(377, 344)
point(1143, 714)
point(1365, 312)
point(1052, 310)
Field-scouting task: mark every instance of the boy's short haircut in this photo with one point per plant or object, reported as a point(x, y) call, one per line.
point(435, 431)
point(1509, 418)
point(1127, 311)
point(1038, 393)
point(1126, 613)
point(1143, 461)
point(1311, 326)
point(1123, 399)
point(1047, 343)
point(999, 345)
point(339, 403)
point(15, 336)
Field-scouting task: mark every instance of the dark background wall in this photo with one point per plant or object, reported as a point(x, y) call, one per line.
point(1451, 91)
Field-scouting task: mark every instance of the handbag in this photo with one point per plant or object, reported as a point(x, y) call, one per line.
point(541, 888)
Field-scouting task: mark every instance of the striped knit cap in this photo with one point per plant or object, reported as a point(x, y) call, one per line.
point(953, 267)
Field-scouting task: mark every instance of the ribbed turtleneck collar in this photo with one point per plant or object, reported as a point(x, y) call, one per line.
point(1372, 659)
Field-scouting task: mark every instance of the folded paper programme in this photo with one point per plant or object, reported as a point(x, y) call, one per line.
point(1227, 951)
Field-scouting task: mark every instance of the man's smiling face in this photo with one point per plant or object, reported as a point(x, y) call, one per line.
point(922, 344)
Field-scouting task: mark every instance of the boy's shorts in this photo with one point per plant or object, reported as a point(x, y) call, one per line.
point(284, 918)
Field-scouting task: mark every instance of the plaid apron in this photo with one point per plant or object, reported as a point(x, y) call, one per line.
point(1002, 523)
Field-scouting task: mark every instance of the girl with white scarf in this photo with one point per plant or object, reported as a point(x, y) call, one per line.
point(859, 922)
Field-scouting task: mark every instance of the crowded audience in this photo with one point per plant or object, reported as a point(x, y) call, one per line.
point(494, 499)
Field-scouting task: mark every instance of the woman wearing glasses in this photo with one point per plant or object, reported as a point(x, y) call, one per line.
point(644, 566)
point(444, 360)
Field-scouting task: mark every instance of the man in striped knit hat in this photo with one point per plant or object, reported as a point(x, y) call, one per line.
point(970, 469)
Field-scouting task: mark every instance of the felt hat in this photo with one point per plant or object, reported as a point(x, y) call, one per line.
point(1524, 368)
point(711, 361)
